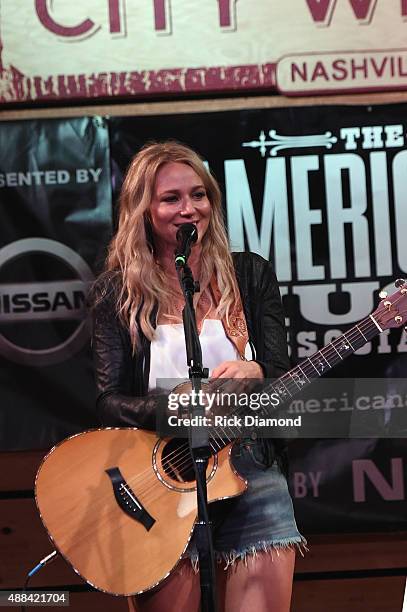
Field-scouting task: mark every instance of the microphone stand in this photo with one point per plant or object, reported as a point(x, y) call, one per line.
point(198, 439)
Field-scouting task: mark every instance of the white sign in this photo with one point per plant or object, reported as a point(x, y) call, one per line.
point(58, 49)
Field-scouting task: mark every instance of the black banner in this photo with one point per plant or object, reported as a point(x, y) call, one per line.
point(55, 199)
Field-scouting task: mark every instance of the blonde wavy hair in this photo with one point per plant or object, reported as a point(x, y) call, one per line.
point(143, 283)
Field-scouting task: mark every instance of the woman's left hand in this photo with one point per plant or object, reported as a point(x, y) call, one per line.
point(238, 369)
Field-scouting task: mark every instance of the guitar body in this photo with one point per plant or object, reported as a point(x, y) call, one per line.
point(120, 504)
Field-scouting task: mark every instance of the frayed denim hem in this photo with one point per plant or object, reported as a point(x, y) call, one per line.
point(251, 552)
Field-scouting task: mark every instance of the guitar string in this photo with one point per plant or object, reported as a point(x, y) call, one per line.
point(143, 478)
point(180, 456)
point(356, 331)
point(168, 457)
point(348, 337)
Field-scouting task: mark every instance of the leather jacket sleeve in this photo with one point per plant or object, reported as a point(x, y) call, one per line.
point(275, 361)
point(114, 367)
point(264, 312)
point(265, 321)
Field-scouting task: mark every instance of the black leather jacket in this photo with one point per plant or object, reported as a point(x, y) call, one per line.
point(122, 379)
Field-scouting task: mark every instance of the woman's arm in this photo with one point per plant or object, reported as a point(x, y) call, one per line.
point(114, 369)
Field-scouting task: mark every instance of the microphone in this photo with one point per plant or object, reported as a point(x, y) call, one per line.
point(187, 235)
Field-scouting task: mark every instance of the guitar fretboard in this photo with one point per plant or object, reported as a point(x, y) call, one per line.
point(294, 381)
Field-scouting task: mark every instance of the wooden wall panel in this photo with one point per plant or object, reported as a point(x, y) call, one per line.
point(24, 542)
point(356, 595)
point(369, 551)
point(199, 106)
point(18, 469)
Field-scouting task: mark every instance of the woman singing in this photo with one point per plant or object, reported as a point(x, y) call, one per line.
point(139, 337)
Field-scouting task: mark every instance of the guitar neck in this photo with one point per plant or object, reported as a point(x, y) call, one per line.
point(294, 381)
point(325, 359)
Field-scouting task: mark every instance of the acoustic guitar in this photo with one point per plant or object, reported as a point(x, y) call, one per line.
point(119, 504)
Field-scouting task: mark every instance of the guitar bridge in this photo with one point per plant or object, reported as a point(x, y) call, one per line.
point(127, 500)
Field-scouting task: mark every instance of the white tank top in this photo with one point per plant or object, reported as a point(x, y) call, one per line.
point(168, 358)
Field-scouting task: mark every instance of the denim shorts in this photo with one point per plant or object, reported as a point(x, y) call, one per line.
point(261, 519)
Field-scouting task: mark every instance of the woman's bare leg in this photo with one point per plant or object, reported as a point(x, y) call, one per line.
point(263, 584)
point(181, 592)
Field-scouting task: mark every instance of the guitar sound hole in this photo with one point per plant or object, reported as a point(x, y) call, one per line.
point(176, 461)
